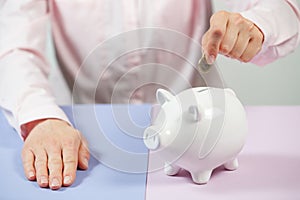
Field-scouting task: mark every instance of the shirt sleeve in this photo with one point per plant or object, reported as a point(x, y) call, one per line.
point(279, 20)
point(25, 93)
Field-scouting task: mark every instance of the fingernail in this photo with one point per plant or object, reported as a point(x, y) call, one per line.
point(55, 182)
point(44, 180)
point(211, 59)
point(67, 180)
point(31, 175)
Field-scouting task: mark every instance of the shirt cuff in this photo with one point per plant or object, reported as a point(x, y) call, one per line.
point(44, 112)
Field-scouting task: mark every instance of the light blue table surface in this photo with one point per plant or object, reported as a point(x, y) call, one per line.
point(121, 125)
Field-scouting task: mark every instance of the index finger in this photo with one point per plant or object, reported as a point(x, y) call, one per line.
point(214, 35)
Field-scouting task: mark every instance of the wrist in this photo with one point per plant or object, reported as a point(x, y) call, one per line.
point(26, 128)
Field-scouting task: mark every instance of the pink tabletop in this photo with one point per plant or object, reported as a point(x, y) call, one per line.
point(269, 164)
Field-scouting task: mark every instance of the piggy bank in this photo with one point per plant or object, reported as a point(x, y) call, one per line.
point(198, 130)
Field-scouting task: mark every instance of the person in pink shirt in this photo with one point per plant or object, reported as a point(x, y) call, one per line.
point(257, 31)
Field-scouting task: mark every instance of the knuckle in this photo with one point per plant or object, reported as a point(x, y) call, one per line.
point(245, 59)
point(236, 16)
point(239, 21)
point(70, 143)
point(40, 162)
point(55, 162)
point(250, 27)
point(221, 14)
point(70, 159)
point(234, 55)
point(224, 49)
point(70, 162)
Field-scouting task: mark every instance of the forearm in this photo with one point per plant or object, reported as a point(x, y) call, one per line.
point(24, 89)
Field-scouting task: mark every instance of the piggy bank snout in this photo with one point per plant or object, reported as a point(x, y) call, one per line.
point(151, 138)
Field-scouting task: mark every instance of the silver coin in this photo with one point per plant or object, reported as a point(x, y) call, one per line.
point(203, 66)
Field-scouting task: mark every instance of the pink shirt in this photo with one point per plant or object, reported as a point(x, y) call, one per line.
point(124, 68)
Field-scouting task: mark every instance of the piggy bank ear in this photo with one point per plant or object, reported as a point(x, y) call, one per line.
point(194, 113)
point(163, 96)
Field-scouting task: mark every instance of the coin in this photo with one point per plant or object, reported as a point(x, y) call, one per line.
point(203, 66)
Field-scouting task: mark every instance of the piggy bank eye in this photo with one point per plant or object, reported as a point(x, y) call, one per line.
point(194, 113)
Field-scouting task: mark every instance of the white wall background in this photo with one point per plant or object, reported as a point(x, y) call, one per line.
point(275, 84)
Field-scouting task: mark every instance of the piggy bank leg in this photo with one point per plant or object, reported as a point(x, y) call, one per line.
point(201, 177)
point(232, 164)
point(171, 169)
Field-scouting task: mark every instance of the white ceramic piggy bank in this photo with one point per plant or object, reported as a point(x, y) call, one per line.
point(198, 130)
